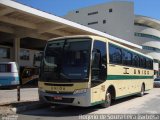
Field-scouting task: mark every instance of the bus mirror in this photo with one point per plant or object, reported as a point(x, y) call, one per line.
point(104, 66)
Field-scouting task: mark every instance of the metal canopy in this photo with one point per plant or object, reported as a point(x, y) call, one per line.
point(23, 21)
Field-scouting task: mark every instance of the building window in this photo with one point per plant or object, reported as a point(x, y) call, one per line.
point(151, 48)
point(77, 11)
point(4, 52)
point(147, 36)
point(104, 21)
point(38, 56)
point(110, 10)
point(91, 23)
point(93, 13)
point(24, 54)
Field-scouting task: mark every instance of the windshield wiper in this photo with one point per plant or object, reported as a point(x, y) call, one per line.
point(63, 75)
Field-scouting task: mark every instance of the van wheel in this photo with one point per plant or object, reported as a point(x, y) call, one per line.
point(107, 101)
point(142, 91)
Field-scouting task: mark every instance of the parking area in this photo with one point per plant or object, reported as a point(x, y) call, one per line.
point(26, 94)
point(148, 104)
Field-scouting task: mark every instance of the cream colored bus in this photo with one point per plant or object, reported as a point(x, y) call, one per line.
point(91, 70)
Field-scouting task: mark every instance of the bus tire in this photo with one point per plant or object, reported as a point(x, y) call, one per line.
point(142, 91)
point(107, 101)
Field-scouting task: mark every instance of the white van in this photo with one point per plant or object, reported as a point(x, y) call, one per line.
point(9, 75)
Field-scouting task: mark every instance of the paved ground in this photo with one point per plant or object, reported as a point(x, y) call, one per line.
point(150, 103)
point(10, 96)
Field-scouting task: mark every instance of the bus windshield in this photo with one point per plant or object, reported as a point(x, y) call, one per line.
point(66, 60)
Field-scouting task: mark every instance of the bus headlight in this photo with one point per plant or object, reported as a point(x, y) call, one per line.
point(80, 91)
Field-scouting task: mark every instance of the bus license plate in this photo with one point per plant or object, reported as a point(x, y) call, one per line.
point(57, 98)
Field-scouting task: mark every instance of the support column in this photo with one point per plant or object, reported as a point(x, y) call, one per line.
point(159, 68)
point(17, 50)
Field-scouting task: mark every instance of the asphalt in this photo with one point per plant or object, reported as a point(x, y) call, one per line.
point(148, 104)
point(10, 95)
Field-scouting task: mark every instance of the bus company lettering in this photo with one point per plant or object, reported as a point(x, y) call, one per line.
point(136, 71)
point(143, 72)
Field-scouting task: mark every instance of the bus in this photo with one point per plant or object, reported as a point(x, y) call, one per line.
point(8, 74)
point(90, 70)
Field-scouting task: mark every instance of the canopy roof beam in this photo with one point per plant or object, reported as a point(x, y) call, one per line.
point(6, 11)
point(18, 22)
point(49, 27)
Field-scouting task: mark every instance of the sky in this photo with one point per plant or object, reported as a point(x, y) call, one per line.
point(150, 8)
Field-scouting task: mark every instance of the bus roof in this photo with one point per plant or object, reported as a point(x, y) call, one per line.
point(103, 39)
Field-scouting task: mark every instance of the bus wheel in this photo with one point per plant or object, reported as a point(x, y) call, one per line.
point(142, 91)
point(107, 101)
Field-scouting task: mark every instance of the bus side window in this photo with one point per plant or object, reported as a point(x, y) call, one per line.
point(135, 60)
point(115, 54)
point(99, 61)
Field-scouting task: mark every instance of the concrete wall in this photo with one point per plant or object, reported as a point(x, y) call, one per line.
point(150, 42)
point(147, 41)
point(119, 22)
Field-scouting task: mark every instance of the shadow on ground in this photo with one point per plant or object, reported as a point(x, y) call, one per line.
point(65, 111)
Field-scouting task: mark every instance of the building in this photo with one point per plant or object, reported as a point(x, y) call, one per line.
point(147, 34)
point(118, 19)
point(114, 18)
point(24, 32)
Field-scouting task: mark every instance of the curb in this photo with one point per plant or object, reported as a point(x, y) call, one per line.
point(20, 109)
point(16, 102)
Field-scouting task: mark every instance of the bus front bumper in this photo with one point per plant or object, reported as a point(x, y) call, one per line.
point(79, 99)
